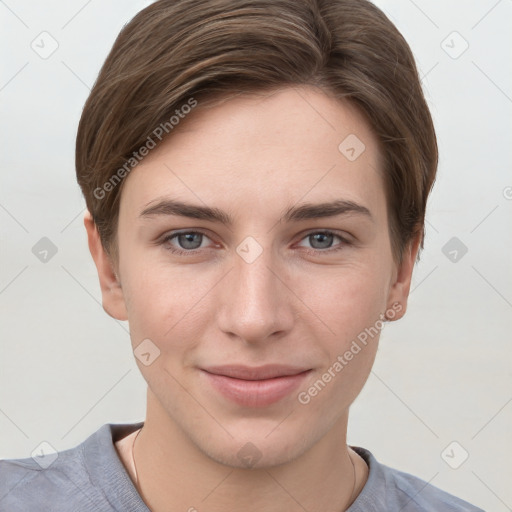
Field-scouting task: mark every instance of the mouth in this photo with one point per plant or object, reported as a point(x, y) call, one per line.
point(254, 386)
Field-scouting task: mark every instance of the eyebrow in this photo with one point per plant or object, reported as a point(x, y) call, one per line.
point(169, 207)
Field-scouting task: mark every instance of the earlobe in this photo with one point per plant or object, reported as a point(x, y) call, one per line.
point(399, 291)
point(112, 293)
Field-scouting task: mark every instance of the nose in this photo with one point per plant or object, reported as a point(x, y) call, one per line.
point(256, 304)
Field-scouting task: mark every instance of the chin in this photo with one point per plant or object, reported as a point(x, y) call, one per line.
point(256, 444)
point(251, 456)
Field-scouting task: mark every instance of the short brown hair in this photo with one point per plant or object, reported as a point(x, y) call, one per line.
point(175, 50)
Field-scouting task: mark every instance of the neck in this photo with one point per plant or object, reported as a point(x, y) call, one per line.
point(172, 469)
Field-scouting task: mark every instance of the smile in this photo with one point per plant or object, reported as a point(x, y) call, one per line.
point(255, 387)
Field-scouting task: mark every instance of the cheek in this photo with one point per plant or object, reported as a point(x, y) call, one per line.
point(352, 307)
point(167, 305)
point(350, 300)
point(173, 317)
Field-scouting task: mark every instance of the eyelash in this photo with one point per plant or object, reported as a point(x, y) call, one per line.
point(183, 252)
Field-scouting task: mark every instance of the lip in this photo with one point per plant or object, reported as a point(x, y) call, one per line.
point(255, 386)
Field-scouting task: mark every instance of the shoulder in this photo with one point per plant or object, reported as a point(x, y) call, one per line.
point(419, 495)
point(30, 483)
point(390, 489)
point(88, 477)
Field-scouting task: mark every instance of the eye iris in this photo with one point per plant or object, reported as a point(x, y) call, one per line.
point(190, 240)
point(324, 240)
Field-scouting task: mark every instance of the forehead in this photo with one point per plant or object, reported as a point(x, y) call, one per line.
point(257, 151)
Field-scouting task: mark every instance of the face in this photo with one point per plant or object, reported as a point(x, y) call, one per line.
point(254, 254)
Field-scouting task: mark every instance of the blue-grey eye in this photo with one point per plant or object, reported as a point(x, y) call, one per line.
point(189, 240)
point(321, 240)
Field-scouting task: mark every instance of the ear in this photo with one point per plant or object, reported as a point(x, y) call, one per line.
point(399, 290)
point(111, 291)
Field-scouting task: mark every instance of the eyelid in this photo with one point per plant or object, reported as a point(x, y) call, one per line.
point(341, 234)
point(184, 231)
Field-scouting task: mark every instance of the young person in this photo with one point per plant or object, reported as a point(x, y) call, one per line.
point(256, 176)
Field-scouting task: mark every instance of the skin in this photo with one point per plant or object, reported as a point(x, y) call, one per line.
point(296, 303)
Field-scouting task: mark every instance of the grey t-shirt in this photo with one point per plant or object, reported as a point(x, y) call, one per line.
point(91, 477)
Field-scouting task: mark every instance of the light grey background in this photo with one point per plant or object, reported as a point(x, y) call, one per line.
point(442, 374)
